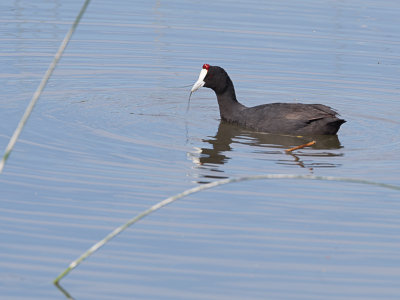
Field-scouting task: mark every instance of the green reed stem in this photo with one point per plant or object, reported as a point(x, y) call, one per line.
point(41, 87)
point(169, 200)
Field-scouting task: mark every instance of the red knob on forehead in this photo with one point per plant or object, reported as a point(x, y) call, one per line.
point(206, 66)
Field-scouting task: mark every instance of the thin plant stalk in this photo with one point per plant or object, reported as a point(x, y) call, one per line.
point(63, 291)
point(171, 199)
point(41, 87)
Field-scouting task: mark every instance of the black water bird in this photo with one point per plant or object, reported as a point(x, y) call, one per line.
point(280, 118)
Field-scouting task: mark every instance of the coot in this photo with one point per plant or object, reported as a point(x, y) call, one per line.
point(281, 118)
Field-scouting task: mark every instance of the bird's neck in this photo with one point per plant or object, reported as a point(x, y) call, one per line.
point(229, 106)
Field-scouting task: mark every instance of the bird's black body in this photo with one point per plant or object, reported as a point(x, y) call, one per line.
point(282, 118)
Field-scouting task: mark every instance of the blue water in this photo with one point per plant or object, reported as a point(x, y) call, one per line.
point(110, 136)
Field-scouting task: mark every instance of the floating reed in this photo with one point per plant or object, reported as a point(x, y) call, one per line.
point(169, 200)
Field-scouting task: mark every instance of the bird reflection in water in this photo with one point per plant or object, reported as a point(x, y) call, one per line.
point(211, 158)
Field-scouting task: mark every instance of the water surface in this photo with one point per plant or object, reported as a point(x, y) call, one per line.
point(110, 136)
